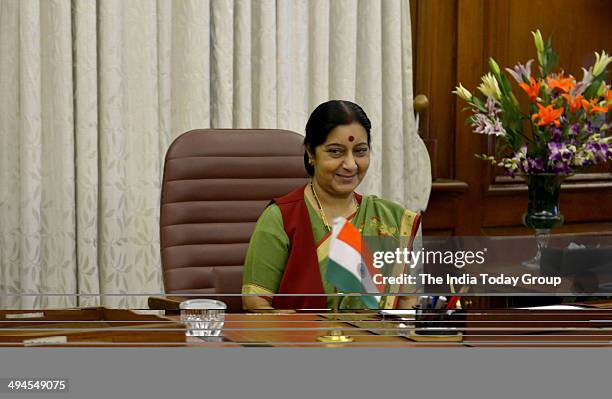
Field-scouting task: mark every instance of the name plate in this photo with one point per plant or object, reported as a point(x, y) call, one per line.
point(53, 340)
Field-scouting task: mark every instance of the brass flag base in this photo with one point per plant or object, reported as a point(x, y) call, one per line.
point(335, 336)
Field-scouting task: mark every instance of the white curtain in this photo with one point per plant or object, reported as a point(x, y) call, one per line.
point(93, 92)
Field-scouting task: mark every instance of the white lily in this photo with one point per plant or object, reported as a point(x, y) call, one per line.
point(601, 62)
point(539, 44)
point(489, 87)
point(463, 93)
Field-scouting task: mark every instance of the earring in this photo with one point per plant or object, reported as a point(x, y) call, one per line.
point(310, 162)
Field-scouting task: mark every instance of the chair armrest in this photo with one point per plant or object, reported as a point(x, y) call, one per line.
point(170, 303)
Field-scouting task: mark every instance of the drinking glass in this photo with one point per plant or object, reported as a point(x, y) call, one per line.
point(203, 317)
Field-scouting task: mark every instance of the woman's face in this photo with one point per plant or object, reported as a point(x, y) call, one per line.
point(341, 162)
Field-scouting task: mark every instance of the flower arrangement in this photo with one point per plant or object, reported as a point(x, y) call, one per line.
point(565, 124)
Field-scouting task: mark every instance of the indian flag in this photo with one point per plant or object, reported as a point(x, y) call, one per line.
point(346, 267)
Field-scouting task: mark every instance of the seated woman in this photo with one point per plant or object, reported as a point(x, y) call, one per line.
point(288, 248)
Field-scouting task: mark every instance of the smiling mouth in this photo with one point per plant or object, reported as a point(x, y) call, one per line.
point(346, 177)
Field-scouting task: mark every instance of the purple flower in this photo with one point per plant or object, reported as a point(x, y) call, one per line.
point(488, 123)
point(557, 134)
point(574, 129)
point(521, 73)
point(520, 162)
point(492, 108)
point(587, 128)
point(587, 79)
point(556, 151)
point(516, 162)
point(484, 124)
point(560, 157)
point(600, 151)
point(536, 165)
point(561, 168)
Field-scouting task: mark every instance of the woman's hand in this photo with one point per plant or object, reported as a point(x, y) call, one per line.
point(258, 304)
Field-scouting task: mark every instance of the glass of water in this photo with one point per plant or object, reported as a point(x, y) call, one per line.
point(203, 317)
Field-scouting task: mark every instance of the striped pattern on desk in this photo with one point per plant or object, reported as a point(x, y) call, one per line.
point(496, 328)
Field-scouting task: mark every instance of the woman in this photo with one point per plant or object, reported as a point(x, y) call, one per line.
point(288, 248)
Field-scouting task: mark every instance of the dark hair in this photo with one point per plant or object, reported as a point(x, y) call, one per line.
point(328, 116)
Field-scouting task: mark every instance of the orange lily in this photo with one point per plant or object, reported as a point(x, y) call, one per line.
point(591, 106)
point(609, 96)
point(574, 103)
point(585, 104)
point(547, 115)
point(561, 83)
point(531, 89)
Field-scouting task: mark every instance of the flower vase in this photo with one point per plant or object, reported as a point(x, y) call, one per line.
point(543, 212)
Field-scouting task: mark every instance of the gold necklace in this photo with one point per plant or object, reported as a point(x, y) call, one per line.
point(322, 212)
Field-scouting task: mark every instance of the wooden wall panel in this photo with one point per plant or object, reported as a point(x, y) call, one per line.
point(435, 40)
point(577, 27)
point(452, 41)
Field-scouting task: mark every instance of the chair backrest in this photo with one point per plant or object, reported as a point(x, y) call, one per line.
point(216, 184)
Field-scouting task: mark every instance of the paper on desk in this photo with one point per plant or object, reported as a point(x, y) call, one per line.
point(154, 312)
point(54, 340)
point(31, 315)
point(409, 313)
point(556, 307)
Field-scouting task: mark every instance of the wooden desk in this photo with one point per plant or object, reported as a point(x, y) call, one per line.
point(87, 327)
point(484, 328)
point(302, 330)
point(519, 327)
point(504, 327)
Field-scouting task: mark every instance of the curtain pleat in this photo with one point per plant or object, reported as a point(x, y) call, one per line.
point(190, 76)
point(392, 104)
point(86, 152)
point(58, 267)
point(342, 49)
point(285, 60)
point(143, 159)
point(263, 63)
point(368, 86)
point(222, 62)
point(113, 148)
point(242, 82)
point(164, 80)
point(92, 93)
point(318, 49)
point(30, 152)
point(10, 175)
point(416, 165)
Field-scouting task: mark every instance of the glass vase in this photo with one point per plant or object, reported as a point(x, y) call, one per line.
point(543, 212)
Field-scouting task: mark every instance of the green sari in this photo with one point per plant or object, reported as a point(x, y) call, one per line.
point(269, 247)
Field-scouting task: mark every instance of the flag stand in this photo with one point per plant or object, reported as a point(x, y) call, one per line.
point(335, 335)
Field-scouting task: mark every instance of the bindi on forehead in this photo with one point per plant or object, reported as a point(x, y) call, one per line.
point(351, 138)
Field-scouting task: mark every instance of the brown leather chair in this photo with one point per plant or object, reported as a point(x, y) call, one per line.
point(216, 184)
